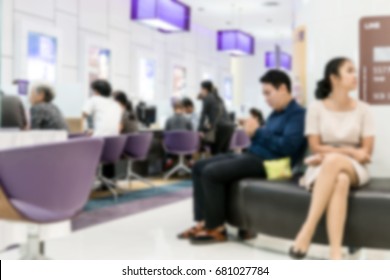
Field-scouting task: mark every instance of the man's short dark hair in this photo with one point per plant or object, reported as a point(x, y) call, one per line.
point(276, 78)
point(102, 87)
point(187, 103)
point(48, 93)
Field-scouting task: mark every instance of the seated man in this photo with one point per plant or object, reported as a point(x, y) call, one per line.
point(189, 109)
point(178, 121)
point(106, 114)
point(44, 113)
point(282, 136)
point(12, 112)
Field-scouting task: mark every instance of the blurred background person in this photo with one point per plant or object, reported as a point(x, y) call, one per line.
point(129, 120)
point(190, 113)
point(13, 114)
point(215, 126)
point(178, 121)
point(45, 114)
point(255, 114)
point(105, 112)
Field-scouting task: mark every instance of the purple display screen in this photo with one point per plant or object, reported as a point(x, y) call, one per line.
point(285, 61)
point(270, 60)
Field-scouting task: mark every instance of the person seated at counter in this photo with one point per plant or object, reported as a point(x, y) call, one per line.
point(129, 123)
point(178, 121)
point(281, 137)
point(190, 113)
point(12, 110)
point(256, 114)
point(44, 114)
point(106, 114)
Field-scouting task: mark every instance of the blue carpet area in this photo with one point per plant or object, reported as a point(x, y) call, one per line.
point(95, 204)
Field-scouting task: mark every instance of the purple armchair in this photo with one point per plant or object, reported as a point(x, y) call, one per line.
point(47, 183)
point(181, 143)
point(112, 152)
point(239, 141)
point(137, 149)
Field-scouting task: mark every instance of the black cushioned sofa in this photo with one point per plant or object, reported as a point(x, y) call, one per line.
point(278, 209)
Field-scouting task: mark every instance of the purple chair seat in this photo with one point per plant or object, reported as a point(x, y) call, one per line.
point(138, 145)
point(112, 152)
point(50, 183)
point(137, 149)
point(181, 143)
point(31, 212)
point(240, 140)
point(113, 148)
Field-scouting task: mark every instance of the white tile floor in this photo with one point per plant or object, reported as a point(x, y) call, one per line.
point(152, 235)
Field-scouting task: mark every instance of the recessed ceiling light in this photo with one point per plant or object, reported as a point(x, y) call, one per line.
point(271, 3)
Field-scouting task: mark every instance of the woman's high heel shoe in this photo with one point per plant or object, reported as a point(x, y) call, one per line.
point(297, 255)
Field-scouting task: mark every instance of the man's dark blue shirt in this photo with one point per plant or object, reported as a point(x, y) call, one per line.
point(282, 136)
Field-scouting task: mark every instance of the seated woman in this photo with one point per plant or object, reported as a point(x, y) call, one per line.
point(129, 123)
point(44, 114)
point(341, 137)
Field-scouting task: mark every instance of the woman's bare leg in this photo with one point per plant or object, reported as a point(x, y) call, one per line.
point(324, 186)
point(337, 213)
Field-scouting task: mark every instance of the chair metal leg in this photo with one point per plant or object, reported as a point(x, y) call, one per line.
point(129, 171)
point(180, 166)
point(108, 183)
point(110, 186)
point(131, 175)
point(33, 248)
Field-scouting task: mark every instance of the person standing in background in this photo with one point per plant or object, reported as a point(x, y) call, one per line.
point(44, 114)
point(13, 114)
point(129, 121)
point(105, 112)
point(215, 127)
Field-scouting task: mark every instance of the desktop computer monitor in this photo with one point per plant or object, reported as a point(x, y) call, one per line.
point(147, 115)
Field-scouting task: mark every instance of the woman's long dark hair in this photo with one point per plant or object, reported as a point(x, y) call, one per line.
point(209, 86)
point(121, 97)
point(324, 86)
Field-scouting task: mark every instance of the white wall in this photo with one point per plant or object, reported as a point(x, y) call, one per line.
point(108, 20)
point(333, 30)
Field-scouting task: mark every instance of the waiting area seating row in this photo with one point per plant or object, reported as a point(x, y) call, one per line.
point(279, 208)
point(51, 183)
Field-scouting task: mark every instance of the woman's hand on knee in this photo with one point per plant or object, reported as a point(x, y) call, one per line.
point(314, 160)
point(362, 156)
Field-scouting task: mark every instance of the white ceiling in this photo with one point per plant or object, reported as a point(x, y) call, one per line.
point(255, 17)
